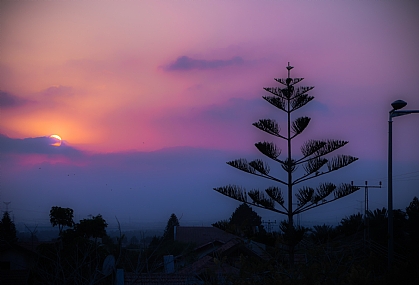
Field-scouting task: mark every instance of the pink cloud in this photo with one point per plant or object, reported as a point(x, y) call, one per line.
point(58, 90)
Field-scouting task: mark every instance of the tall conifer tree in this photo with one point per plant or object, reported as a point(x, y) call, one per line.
point(314, 159)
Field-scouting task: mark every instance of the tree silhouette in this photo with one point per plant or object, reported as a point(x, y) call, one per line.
point(351, 225)
point(323, 234)
point(75, 258)
point(7, 230)
point(246, 220)
point(61, 217)
point(412, 212)
point(169, 230)
point(243, 221)
point(377, 225)
point(94, 227)
point(313, 159)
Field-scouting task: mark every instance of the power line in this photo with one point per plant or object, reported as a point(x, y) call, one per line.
point(406, 173)
point(398, 176)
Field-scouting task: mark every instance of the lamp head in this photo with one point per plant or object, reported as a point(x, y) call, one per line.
point(398, 104)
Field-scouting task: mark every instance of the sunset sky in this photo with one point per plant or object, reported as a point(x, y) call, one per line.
point(152, 97)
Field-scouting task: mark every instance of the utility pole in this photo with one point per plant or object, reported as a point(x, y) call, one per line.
point(366, 219)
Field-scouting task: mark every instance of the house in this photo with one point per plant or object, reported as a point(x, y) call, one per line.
point(16, 261)
point(217, 254)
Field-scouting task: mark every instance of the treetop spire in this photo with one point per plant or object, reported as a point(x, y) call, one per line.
point(289, 67)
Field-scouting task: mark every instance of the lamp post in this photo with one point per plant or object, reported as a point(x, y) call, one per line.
point(397, 105)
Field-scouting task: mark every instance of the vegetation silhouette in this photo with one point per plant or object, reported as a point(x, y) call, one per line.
point(342, 254)
point(243, 222)
point(326, 254)
point(61, 217)
point(169, 230)
point(77, 256)
point(8, 234)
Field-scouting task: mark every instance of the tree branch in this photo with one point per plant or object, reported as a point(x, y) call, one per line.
point(269, 126)
point(239, 194)
point(269, 149)
point(332, 167)
point(243, 165)
point(277, 101)
point(276, 194)
point(293, 81)
point(343, 190)
point(299, 125)
point(300, 101)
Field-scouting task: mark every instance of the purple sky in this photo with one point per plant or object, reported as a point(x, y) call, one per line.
point(151, 98)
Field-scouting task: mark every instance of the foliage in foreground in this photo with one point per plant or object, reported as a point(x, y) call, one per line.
point(345, 254)
point(77, 256)
point(349, 253)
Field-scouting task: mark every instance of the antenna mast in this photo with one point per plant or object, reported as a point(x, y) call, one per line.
point(7, 206)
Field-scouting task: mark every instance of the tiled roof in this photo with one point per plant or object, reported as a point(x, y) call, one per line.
point(155, 279)
point(258, 249)
point(221, 244)
point(207, 261)
point(14, 277)
point(201, 235)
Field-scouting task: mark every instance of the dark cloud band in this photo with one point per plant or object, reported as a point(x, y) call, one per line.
point(8, 100)
point(187, 63)
point(39, 145)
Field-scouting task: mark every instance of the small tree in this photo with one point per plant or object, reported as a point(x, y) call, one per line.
point(243, 220)
point(169, 230)
point(75, 258)
point(412, 210)
point(313, 160)
point(94, 227)
point(61, 217)
point(7, 230)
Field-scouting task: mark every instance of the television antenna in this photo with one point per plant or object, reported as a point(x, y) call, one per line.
point(7, 206)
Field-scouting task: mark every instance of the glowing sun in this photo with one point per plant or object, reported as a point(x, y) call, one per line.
point(57, 140)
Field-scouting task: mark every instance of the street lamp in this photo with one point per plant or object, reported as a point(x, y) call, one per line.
point(397, 105)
